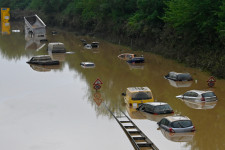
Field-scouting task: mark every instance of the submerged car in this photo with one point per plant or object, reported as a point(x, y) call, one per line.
point(137, 95)
point(87, 64)
point(43, 60)
point(126, 56)
point(198, 95)
point(136, 60)
point(156, 108)
point(178, 76)
point(56, 47)
point(176, 124)
point(95, 44)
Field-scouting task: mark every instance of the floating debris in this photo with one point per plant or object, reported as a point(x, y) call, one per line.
point(15, 30)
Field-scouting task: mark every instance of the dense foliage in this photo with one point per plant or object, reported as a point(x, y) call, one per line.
point(188, 30)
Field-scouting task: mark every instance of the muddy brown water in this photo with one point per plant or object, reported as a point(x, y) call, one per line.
point(54, 108)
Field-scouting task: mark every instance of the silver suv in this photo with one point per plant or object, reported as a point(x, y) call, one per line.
point(197, 95)
point(155, 108)
point(175, 124)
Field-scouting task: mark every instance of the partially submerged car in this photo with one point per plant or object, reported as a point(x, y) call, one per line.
point(56, 47)
point(126, 56)
point(155, 108)
point(178, 76)
point(43, 60)
point(137, 95)
point(198, 95)
point(87, 64)
point(95, 44)
point(136, 60)
point(176, 124)
point(87, 46)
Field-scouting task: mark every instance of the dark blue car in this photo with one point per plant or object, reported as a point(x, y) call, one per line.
point(136, 60)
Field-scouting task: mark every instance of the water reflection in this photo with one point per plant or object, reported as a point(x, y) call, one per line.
point(199, 105)
point(179, 84)
point(178, 137)
point(134, 114)
point(6, 28)
point(136, 66)
point(57, 56)
point(33, 42)
point(41, 68)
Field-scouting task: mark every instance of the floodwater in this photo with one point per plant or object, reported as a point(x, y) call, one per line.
point(55, 108)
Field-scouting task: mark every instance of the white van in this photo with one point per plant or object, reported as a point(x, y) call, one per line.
point(56, 47)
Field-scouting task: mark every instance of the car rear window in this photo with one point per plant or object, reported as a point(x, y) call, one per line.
point(181, 124)
point(184, 77)
point(141, 96)
point(163, 109)
point(208, 94)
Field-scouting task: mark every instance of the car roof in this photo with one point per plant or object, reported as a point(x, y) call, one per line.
point(199, 91)
point(156, 103)
point(87, 63)
point(177, 73)
point(176, 118)
point(56, 43)
point(138, 89)
point(42, 56)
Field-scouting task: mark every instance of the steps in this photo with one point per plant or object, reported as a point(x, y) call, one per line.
point(138, 139)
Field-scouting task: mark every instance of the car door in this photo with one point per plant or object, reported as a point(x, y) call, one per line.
point(190, 96)
point(164, 124)
point(187, 95)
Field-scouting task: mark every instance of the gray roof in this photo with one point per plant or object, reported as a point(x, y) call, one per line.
point(176, 118)
point(138, 89)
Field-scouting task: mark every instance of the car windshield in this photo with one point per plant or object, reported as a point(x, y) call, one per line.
point(141, 96)
point(208, 94)
point(163, 109)
point(182, 124)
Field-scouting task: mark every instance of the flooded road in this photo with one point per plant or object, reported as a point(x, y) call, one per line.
point(53, 108)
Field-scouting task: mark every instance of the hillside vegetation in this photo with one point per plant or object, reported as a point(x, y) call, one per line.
point(190, 31)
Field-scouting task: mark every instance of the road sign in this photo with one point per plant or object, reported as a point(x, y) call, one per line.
point(211, 81)
point(5, 16)
point(97, 81)
point(97, 86)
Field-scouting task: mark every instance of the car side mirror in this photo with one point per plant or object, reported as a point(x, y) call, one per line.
point(123, 94)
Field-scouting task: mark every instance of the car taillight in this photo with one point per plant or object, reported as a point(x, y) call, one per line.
point(202, 99)
point(193, 129)
point(155, 114)
point(171, 130)
point(172, 112)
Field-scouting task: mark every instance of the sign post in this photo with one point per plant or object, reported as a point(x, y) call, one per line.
point(97, 84)
point(5, 16)
point(211, 81)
